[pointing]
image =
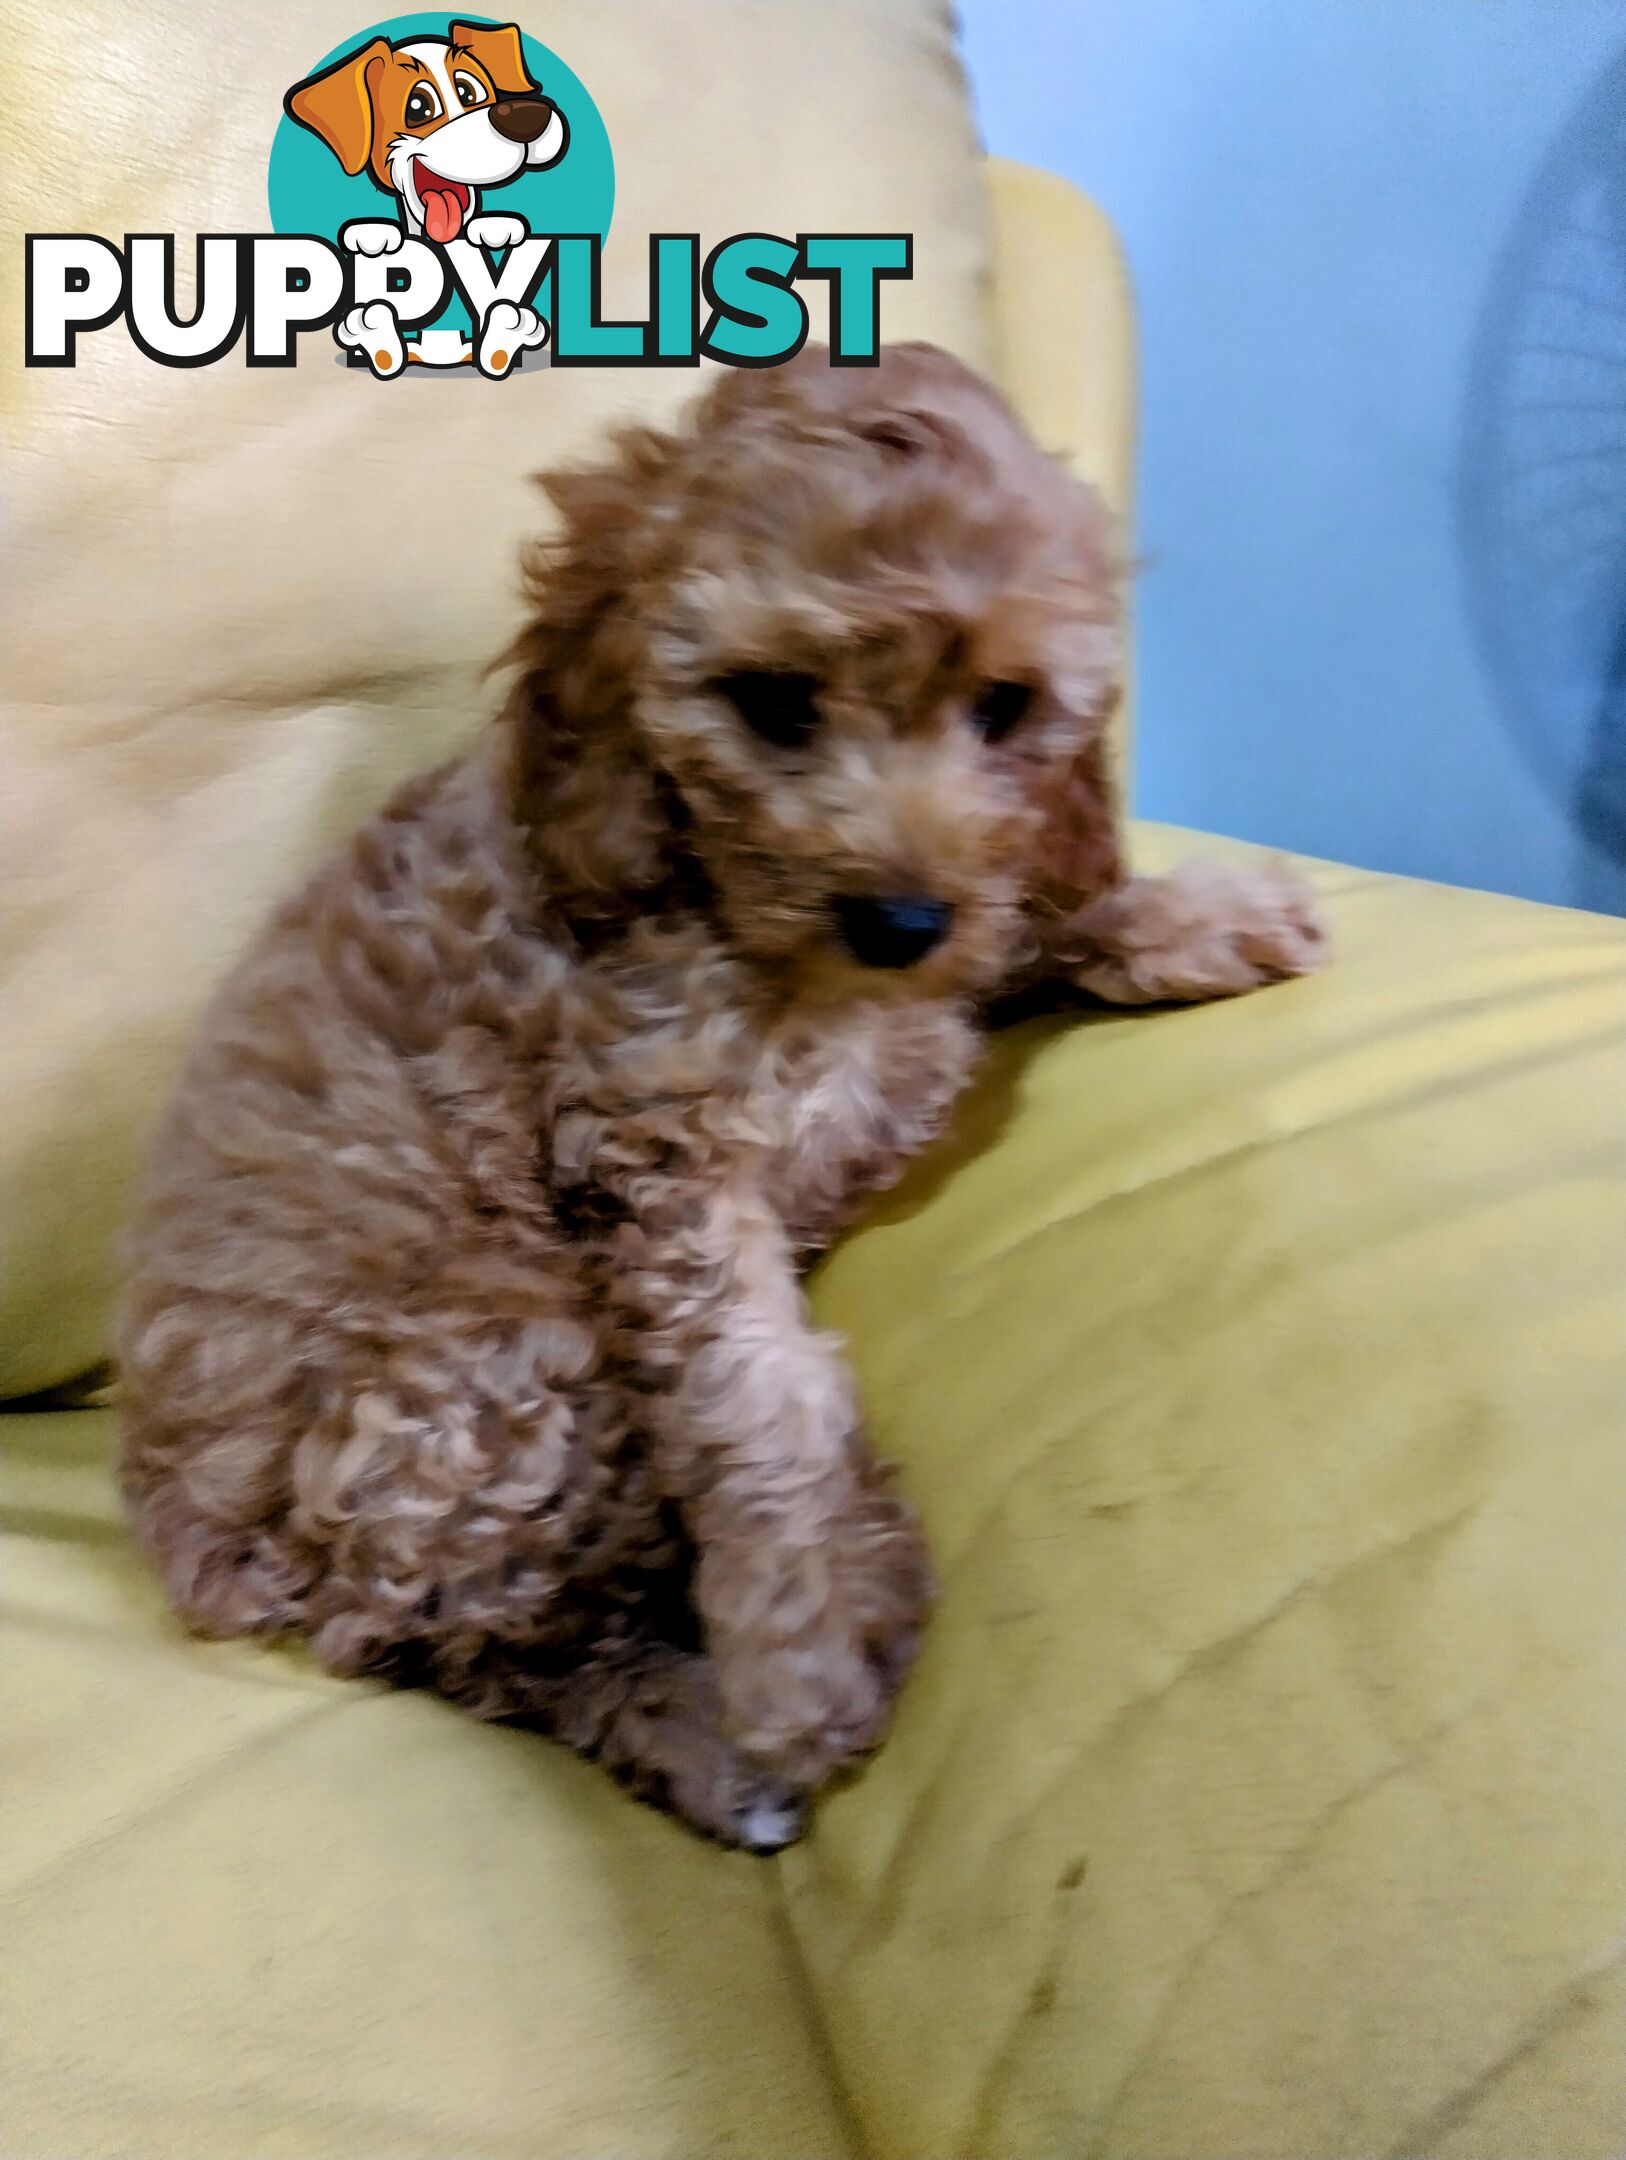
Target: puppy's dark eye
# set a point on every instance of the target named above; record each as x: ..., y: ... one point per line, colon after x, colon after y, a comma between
x: 998, y: 707
x: 421, y: 106
x: 896, y: 433
x: 780, y: 707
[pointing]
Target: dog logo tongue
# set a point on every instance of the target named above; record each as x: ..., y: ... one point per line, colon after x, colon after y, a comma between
x: 442, y: 214
x: 444, y: 202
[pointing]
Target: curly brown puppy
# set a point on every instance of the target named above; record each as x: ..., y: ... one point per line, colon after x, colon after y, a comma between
x: 463, y: 1334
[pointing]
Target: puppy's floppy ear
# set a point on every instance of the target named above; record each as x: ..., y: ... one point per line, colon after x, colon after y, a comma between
x: 499, y: 50
x: 337, y: 104
x: 1080, y: 852
x: 583, y: 782
x: 578, y: 577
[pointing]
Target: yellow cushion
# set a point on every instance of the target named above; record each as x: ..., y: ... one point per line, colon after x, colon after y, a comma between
x: 1259, y: 1371
x: 242, y: 602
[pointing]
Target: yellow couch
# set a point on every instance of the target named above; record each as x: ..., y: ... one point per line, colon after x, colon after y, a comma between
x: 1259, y: 1794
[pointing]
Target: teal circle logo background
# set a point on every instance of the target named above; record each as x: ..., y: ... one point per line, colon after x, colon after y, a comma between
x: 310, y: 191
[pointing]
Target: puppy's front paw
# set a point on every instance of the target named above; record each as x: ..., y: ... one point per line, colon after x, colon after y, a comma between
x: 809, y: 1688
x: 723, y: 1795
x: 769, y: 1816
x: 370, y: 236
x: 806, y: 1709
x: 374, y: 332
x: 1207, y: 930
x: 496, y: 229
x: 507, y: 331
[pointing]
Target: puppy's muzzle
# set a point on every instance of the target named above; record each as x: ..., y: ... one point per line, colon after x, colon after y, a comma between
x: 520, y: 119
x: 891, y: 933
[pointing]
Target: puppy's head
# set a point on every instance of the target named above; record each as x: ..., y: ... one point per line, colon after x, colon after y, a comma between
x: 433, y: 118
x: 845, y: 651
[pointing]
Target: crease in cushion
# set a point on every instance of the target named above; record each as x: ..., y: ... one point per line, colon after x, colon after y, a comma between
x: 1258, y: 1369
x: 217, y: 653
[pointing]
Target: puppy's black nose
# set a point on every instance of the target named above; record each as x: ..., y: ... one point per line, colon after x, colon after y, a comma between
x: 521, y: 119
x: 892, y: 933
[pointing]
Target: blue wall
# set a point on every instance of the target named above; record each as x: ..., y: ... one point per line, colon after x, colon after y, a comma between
x: 1380, y: 252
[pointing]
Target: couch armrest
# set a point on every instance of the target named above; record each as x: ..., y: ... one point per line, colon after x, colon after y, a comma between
x: 1064, y: 328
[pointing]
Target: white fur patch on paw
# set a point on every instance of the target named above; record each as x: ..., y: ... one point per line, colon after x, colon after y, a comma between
x: 507, y: 331
x: 370, y: 236
x: 771, y: 1820
x: 374, y: 332
x: 496, y: 229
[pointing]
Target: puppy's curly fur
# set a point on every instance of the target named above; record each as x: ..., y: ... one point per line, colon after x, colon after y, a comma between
x: 463, y: 1333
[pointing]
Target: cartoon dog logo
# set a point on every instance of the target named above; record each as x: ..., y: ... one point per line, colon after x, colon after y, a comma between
x: 435, y: 121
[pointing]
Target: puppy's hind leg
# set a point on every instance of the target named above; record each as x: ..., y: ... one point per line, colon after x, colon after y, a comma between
x: 1206, y: 930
